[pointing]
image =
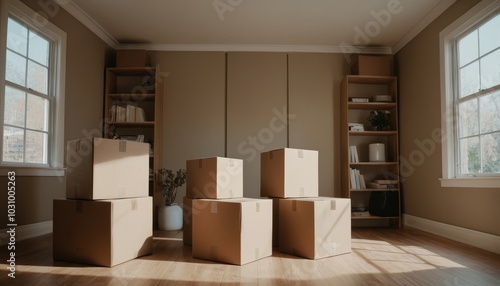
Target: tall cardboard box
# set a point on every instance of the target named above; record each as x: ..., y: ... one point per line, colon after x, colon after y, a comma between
x: 289, y: 173
x: 235, y: 231
x: 105, y: 232
x: 214, y: 178
x: 99, y: 168
x: 315, y: 227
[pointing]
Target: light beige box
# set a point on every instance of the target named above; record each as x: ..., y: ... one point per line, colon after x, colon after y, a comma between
x: 187, y: 228
x: 99, y: 168
x: 289, y: 173
x: 315, y: 227
x: 132, y: 58
x: 214, y: 178
x: 235, y: 231
x: 105, y: 232
x: 375, y: 65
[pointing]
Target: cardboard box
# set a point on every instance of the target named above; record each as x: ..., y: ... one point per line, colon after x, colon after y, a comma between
x: 104, y: 233
x: 276, y: 221
x: 99, y: 169
x: 214, y: 178
x: 377, y: 65
x: 132, y: 58
x: 235, y: 231
x: 315, y: 227
x: 289, y: 173
x: 187, y: 228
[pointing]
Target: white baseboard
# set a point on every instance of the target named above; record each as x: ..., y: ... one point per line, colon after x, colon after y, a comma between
x: 27, y: 231
x: 470, y: 237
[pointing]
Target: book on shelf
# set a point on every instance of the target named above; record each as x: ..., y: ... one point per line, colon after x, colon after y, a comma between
x: 354, y: 154
x: 128, y: 113
x: 360, y: 213
x: 359, y: 99
x: 356, y: 127
x: 357, y: 180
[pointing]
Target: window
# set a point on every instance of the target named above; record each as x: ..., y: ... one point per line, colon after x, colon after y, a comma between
x: 32, y: 107
x: 470, y: 69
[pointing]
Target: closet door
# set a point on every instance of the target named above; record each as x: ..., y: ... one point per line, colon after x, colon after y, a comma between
x: 256, y: 110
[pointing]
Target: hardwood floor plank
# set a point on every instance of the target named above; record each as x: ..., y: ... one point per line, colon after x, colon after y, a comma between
x: 383, y: 256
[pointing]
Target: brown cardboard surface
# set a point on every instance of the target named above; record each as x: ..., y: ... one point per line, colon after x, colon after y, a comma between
x: 377, y: 65
x: 214, y: 178
x: 235, y: 231
x: 105, y: 232
x: 132, y: 58
x: 315, y: 227
x: 187, y: 229
x: 99, y: 169
x: 288, y: 173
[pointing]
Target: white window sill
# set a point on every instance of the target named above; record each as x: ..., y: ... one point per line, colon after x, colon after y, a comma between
x: 33, y: 171
x: 471, y: 182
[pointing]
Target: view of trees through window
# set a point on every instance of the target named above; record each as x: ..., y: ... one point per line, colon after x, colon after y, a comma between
x: 27, y: 100
x: 478, y: 100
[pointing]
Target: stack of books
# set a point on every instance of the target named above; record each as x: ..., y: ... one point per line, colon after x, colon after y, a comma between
x: 357, y: 180
x: 128, y: 113
x: 356, y: 127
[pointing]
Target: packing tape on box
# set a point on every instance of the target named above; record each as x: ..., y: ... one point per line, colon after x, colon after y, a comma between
x: 271, y: 155
x: 257, y: 253
x: 200, y: 163
x: 301, y: 153
x: 213, y: 207
x: 257, y: 207
x: 122, y: 146
x: 230, y: 163
x: 333, y: 205
x: 134, y: 205
x: 294, y: 206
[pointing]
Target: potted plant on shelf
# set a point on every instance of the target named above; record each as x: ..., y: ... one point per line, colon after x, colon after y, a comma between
x: 379, y: 119
x: 170, y: 214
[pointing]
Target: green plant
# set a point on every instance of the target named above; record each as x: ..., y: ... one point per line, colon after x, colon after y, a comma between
x: 169, y: 181
x: 379, y: 118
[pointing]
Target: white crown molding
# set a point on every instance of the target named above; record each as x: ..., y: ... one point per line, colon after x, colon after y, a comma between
x: 422, y: 24
x: 89, y: 22
x: 474, y: 238
x: 261, y: 48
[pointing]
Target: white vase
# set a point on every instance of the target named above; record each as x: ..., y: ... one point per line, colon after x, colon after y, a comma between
x: 170, y: 217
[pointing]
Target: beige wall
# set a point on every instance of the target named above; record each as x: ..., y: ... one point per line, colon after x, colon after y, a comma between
x: 211, y: 112
x: 420, y: 116
x: 87, y: 57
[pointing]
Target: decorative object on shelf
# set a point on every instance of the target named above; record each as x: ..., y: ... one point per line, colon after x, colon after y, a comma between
x: 376, y: 152
x: 170, y: 215
x: 379, y: 119
x: 382, y: 98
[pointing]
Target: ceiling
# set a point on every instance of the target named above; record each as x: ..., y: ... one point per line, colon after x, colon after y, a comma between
x: 373, y: 26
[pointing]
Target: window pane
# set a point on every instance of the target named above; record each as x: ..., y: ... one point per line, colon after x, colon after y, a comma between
x: 13, y: 146
x: 468, y: 49
x: 15, y: 69
x: 470, y: 158
x: 37, y: 77
x: 490, y: 70
x: 468, y: 118
x: 490, y: 112
x: 37, y: 113
x: 489, y: 38
x: 38, y: 49
x: 490, y: 149
x: 15, y: 107
x: 469, y: 79
x: 17, y: 37
x: 36, y: 143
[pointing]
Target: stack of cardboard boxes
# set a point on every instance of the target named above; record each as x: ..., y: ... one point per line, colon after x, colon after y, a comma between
x: 107, y: 216
x: 226, y: 227
x: 304, y: 224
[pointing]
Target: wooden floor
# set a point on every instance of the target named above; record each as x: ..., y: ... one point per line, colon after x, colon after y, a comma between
x: 379, y: 257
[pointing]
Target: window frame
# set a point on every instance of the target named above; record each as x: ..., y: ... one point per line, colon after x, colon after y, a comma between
x: 27, y: 16
x: 449, y: 73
